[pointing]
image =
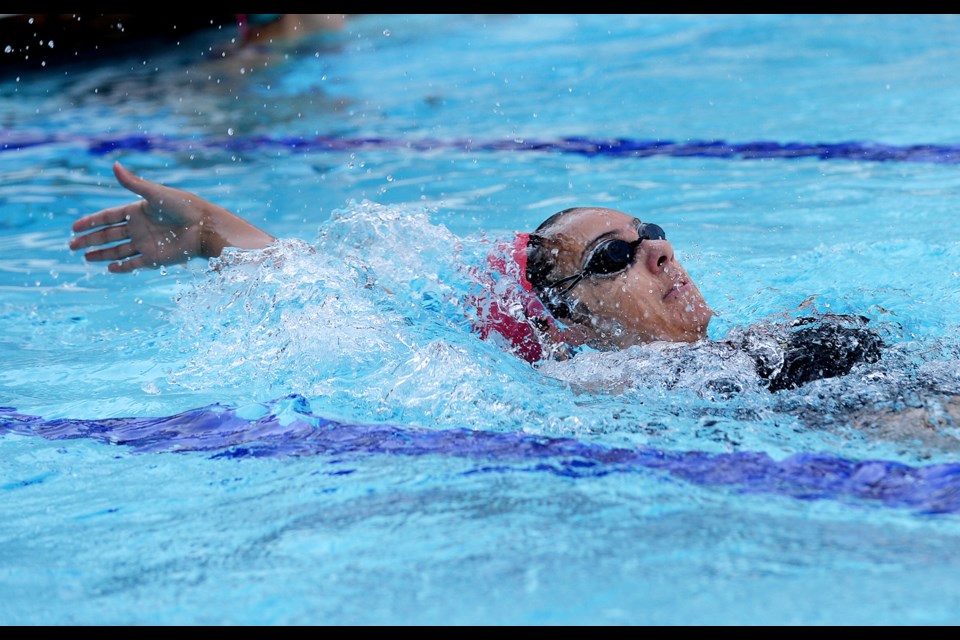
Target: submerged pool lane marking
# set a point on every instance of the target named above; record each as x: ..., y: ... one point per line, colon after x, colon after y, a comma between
x: 590, y: 147
x: 287, y: 427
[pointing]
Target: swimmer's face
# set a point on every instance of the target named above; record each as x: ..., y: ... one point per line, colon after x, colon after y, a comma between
x: 650, y: 298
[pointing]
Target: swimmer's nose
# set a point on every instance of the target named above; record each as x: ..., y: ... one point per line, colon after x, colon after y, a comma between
x: 657, y: 255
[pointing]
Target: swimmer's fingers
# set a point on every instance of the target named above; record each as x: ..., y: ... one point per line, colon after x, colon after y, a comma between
x: 113, y: 215
x: 124, y: 258
x: 103, y: 236
x: 129, y: 265
x: 116, y: 252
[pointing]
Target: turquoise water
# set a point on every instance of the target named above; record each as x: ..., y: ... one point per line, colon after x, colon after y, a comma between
x: 140, y: 525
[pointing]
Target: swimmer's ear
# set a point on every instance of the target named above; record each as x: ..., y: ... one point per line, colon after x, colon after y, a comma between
x: 568, y: 310
x: 538, y: 262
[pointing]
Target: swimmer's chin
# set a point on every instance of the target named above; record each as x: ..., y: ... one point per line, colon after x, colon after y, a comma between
x: 610, y: 335
x: 692, y: 329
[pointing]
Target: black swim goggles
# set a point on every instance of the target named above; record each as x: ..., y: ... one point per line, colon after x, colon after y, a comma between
x: 608, y: 258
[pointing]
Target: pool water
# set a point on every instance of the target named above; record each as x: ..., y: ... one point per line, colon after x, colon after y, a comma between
x: 315, y: 434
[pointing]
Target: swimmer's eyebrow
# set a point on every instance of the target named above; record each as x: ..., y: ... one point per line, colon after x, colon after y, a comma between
x: 593, y: 243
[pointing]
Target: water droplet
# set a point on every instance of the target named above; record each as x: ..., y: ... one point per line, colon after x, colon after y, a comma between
x: 230, y: 131
x: 8, y: 49
x: 163, y: 271
x: 386, y: 32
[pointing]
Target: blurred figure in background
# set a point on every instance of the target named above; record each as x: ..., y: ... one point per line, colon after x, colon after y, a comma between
x: 278, y: 28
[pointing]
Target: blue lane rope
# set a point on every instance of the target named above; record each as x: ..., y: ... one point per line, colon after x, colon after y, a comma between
x: 287, y: 427
x: 589, y: 147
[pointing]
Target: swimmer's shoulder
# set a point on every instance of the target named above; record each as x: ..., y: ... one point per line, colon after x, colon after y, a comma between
x: 789, y: 355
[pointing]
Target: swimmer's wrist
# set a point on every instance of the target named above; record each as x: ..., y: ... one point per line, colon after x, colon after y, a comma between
x: 208, y: 248
x: 221, y: 229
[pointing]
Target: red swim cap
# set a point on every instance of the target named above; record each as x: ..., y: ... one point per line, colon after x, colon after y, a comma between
x: 508, y: 310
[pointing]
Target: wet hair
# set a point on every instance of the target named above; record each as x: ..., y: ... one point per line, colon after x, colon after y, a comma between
x: 542, y: 251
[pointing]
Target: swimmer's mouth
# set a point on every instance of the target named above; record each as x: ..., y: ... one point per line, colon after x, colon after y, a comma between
x: 678, y: 287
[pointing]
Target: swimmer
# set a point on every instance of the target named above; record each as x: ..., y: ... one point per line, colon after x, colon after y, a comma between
x: 614, y: 282
x: 266, y: 39
x: 586, y: 277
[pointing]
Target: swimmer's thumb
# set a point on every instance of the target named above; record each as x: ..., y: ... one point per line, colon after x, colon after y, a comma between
x: 133, y: 182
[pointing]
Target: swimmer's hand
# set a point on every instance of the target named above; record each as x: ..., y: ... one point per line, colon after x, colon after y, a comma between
x: 168, y: 226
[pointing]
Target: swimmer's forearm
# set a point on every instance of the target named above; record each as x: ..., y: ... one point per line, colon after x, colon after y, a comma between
x: 222, y: 229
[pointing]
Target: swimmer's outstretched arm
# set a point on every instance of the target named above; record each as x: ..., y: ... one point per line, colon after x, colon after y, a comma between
x: 168, y: 226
